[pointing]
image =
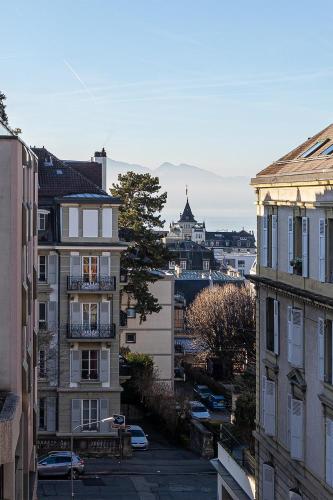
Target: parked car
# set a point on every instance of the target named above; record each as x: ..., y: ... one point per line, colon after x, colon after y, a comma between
x: 216, y: 402
x: 58, y: 463
x: 202, y: 391
x: 198, y: 410
x: 138, y: 437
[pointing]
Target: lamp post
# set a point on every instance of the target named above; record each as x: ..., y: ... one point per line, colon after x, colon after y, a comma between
x: 108, y: 419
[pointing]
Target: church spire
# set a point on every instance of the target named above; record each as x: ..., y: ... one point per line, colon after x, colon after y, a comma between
x: 187, y: 215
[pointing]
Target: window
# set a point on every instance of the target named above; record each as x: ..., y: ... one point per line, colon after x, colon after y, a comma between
x: 329, y: 451
x: 41, y: 221
x: 183, y: 264
x: 41, y: 364
x: 42, y: 322
x: 89, y: 415
x: 322, y: 250
x: 73, y: 222
x: 90, y: 316
x: 313, y: 148
x: 179, y: 319
x: 172, y: 264
x: 205, y: 265
x: 268, y: 406
x: 327, y: 151
x: 107, y: 223
x: 42, y: 268
x: 268, y: 489
x: 89, y: 365
x: 328, y: 352
x: 130, y: 338
x: 89, y: 269
x: 241, y: 264
x: 295, y: 337
x: 42, y: 414
x: 90, y: 223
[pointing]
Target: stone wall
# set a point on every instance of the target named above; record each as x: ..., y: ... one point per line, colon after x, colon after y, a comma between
x: 201, y: 440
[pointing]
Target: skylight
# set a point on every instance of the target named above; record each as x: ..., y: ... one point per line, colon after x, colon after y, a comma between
x: 313, y: 148
x: 328, y: 151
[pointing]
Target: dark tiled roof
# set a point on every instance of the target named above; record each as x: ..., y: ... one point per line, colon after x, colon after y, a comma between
x: 187, y: 215
x: 90, y: 169
x: 55, y: 178
x: 293, y: 163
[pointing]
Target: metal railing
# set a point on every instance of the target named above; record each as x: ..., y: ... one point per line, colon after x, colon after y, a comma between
x: 239, y: 451
x: 99, y: 283
x: 98, y: 331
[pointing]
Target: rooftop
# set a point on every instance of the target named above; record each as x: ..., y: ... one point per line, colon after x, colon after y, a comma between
x: 313, y: 156
x: 214, y: 276
x: 187, y: 215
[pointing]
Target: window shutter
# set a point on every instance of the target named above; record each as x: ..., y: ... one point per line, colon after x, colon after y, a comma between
x: 105, y: 313
x: 290, y: 334
x: 52, y: 315
x: 305, y: 247
x: 76, y: 415
x: 75, y: 313
x: 76, y: 266
x: 290, y: 243
x: 274, y: 241
x: 297, y: 337
x: 267, y: 482
x: 73, y: 222
x: 322, y: 243
x: 107, y: 223
x: 296, y: 446
x: 104, y: 413
x: 270, y: 408
x: 51, y: 414
x: 321, y: 352
x: 276, y: 326
x: 289, y: 421
x: 105, y: 365
x: 264, y: 240
x: 263, y: 389
x: 75, y: 365
x: 329, y: 451
x: 104, y: 265
x: 52, y: 269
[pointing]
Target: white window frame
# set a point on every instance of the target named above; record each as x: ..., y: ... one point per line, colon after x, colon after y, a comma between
x: 269, y: 406
x: 90, y: 227
x: 205, y: 265
x: 39, y: 268
x: 130, y: 341
x: 42, y: 221
x: 85, y: 428
x: 90, y: 369
x: 183, y: 264
x: 293, y: 357
x: 90, y: 257
x: 89, y: 313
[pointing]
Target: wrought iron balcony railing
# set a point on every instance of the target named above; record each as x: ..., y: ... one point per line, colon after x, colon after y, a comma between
x: 97, y: 331
x: 99, y: 283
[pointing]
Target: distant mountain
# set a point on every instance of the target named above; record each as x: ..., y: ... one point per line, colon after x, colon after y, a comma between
x: 223, y: 202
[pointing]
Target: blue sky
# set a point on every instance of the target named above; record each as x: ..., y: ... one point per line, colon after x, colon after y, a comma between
x: 228, y: 86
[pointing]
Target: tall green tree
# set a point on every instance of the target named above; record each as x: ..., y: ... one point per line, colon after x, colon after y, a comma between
x: 3, y: 114
x: 140, y: 219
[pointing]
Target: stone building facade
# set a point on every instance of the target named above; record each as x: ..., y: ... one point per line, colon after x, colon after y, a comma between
x: 294, y: 433
x: 18, y: 263
x: 78, y: 296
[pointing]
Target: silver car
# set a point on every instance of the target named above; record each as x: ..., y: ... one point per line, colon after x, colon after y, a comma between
x: 58, y: 463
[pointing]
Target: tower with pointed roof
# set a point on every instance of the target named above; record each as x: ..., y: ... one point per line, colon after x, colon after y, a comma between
x: 187, y: 228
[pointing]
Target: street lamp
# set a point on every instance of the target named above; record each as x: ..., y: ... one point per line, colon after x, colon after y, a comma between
x: 108, y: 419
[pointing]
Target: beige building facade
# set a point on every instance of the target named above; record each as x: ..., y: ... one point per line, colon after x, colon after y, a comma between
x: 18, y: 243
x: 155, y: 336
x: 78, y: 298
x: 294, y: 432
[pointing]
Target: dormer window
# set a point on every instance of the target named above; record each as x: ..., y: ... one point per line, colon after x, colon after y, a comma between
x: 48, y: 162
x: 313, y: 148
x: 42, y: 220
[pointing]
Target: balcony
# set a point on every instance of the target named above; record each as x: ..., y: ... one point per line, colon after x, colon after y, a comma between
x: 89, y: 332
x: 99, y: 284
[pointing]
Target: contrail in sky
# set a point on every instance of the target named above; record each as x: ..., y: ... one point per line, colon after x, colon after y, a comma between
x: 72, y: 70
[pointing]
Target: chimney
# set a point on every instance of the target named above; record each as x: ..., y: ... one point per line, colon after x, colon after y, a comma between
x: 100, y: 157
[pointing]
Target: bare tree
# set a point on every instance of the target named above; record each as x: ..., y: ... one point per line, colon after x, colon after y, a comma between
x: 222, y: 320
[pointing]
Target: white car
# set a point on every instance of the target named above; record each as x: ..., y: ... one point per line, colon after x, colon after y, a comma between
x: 138, y: 437
x: 198, y: 411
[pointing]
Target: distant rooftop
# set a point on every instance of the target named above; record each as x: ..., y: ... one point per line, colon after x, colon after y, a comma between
x: 215, y: 276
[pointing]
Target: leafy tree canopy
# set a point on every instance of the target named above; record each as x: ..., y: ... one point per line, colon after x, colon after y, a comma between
x: 3, y: 114
x: 140, y: 218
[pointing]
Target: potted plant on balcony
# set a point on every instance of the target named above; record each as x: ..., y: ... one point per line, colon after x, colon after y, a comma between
x: 296, y: 263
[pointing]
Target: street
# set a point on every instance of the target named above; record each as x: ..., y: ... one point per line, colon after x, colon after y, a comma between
x: 164, y: 472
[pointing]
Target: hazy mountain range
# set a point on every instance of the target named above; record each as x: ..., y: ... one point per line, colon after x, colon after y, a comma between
x: 222, y: 202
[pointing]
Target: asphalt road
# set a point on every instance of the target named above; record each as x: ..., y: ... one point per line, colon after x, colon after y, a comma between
x: 164, y: 472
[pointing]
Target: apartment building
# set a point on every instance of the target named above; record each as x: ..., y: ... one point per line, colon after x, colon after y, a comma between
x: 18, y: 244
x: 78, y: 300
x: 155, y: 336
x: 294, y: 282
